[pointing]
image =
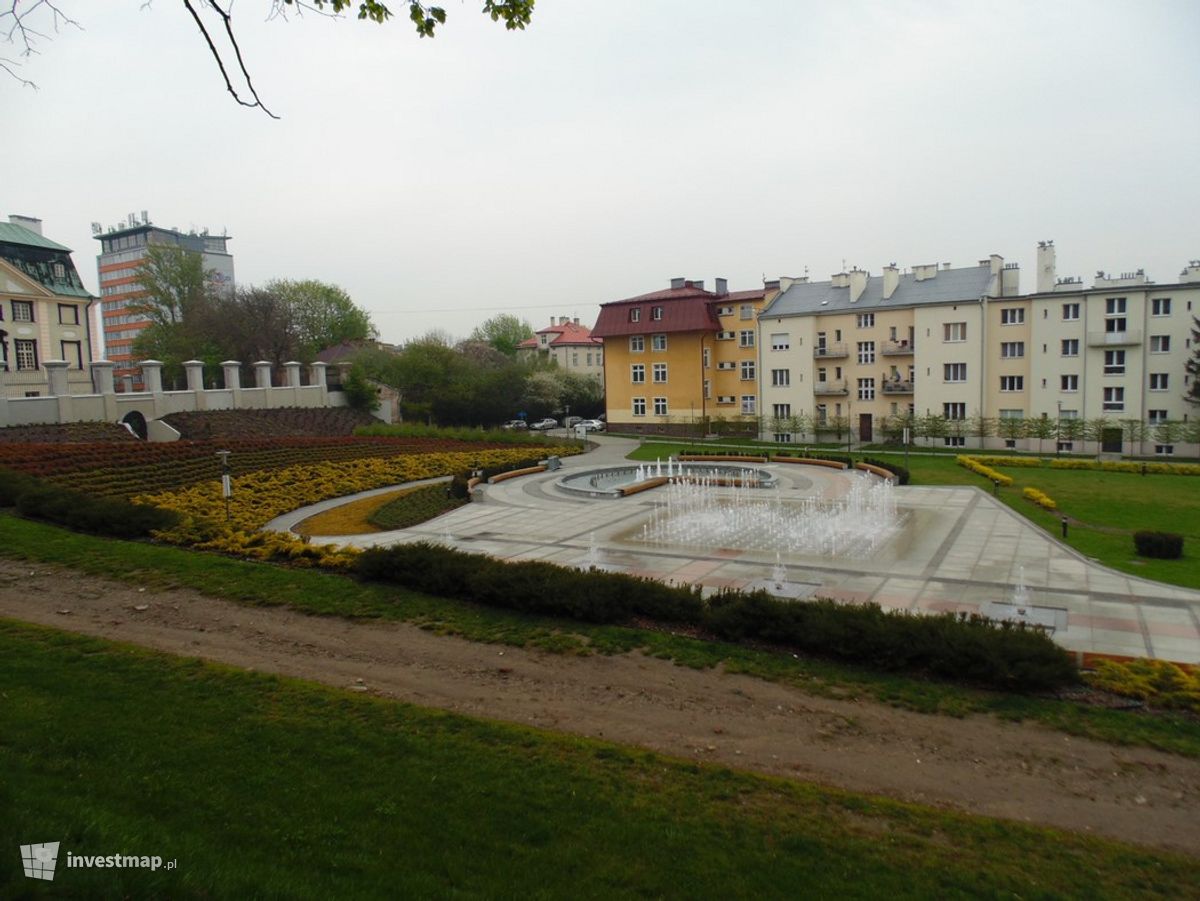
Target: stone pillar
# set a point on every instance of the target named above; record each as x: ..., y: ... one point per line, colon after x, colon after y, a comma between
x: 102, y: 377
x: 195, y: 375
x: 262, y: 374
x: 317, y: 374
x: 233, y: 374
x: 56, y: 377
x: 152, y: 375
x: 292, y: 369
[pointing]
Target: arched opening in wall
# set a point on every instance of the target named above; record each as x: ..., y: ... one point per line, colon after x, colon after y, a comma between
x: 136, y: 422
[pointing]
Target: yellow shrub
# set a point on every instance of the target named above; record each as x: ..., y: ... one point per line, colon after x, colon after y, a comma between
x: 1157, y: 682
x: 1028, y: 462
x: 1039, y: 498
x: 987, y: 472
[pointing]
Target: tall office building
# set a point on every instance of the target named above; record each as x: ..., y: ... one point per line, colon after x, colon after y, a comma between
x: 123, y: 247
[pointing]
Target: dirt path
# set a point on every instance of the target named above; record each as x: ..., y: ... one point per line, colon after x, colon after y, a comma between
x: 1017, y: 771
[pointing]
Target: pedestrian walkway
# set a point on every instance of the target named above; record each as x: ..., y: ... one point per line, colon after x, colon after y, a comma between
x: 962, y: 551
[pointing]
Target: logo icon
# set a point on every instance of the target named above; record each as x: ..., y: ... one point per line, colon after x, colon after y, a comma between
x: 39, y: 860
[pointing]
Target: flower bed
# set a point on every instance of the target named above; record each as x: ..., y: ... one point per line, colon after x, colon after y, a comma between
x: 1040, y: 498
x: 987, y: 472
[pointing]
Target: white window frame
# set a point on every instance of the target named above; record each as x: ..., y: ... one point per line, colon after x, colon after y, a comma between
x: 951, y: 370
x: 658, y: 342
x: 637, y: 373
x: 637, y: 344
x: 1012, y: 315
x: 660, y: 373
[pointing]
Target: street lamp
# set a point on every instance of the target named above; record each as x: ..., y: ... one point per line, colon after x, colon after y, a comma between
x: 1058, y: 432
x: 226, y: 482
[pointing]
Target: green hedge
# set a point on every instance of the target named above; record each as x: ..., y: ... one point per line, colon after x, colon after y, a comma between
x: 970, y: 649
x: 416, y: 506
x: 114, y: 517
x: 900, y: 472
x: 1160, y: 545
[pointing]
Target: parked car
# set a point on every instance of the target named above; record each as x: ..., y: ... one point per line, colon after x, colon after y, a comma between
x: 515, y: 425
x: 572, y: 421
x: 543, y: 424
x: 590, y: 425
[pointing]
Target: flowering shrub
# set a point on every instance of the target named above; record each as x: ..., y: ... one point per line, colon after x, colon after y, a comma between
x: 987, y: 472
x: 1027, y: 462
x: 1041, y: 499
x: 1177, y: 469
x: 1158, y: 682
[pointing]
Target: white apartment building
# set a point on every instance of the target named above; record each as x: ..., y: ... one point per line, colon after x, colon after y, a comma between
x: 963, y: 344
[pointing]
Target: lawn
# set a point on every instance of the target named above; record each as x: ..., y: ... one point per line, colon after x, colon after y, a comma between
x: 265, y: 787
x: 324, y: 593
x: 1105, y: 508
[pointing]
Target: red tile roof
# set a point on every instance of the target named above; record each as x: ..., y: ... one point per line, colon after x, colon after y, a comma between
x: 688, y: 309
x: 566, y: 334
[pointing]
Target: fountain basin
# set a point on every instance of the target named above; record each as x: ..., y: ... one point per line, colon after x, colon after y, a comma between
x: 611, y: 481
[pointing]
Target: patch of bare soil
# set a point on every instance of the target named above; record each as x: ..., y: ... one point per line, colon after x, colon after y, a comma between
x: 1017, y: 771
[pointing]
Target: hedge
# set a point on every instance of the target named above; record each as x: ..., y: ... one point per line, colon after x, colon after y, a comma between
x: 1160, y: 545
x: 1000, y: 655
x: 113, y: 517
x: 901, y: 473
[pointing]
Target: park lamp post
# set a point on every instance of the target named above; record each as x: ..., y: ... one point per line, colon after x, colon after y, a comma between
x: 1058, y: 432
x: 226, y: 482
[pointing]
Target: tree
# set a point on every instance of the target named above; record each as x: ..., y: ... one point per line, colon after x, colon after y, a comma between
x: 1135, y: 432
x: 1041, y: 428
x: 29, y: 25
x: 1192, y: 366
x: 360, y: 393
x: 1094, y: 430
x: 1070, y: 429
x: 322, y: 315
x: 503, y: 332
x: 982, y: 427
x: 1010, y: 428
x: 1168, y: 432
x: 175, y: 282
x: 931, y: 426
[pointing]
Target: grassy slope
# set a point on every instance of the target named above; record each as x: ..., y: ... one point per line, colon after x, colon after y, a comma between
x: 1106, y: 507
x: 329, y: 594
x: 265, y: 787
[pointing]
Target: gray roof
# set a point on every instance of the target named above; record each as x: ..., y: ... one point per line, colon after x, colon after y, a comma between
x: 948, y: 286
x: 11, y: 233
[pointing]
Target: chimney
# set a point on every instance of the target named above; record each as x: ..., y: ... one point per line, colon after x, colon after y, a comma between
x: 677, y: 283
x: 840, y: 280
x: 30, y: 222
x: 1046, y: 269
x: 722, y: 286
x: 924, y: 271
x: 945, y: 266
x: 1191, y: 272
x: 576, y: 320
x: 858, y: 283
x: 891, y: 280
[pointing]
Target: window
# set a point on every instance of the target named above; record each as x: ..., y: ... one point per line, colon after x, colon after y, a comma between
x: 639, y: 406
x: 1070, y: 312
x: 1012, y: 383
x: 1070, y: 347
x: 1012, y: 315
x: 1164, y: 450
x: 706, y: 357
x: 955, y: 372
x: 1012, y: 414
x: 707, y: 389
x: 822, y: 413
x: 1069, y: 383
x: 22, y: 311
x: 660, y: 373
x: 1114, y: 306
x: 726, y: 336
x: 725, y: 311
x: 747, y: 370
x: 637, y: 343
x: 954, y: 411
x: 781, y: 378
x: 656, y: 314
x: 727, y: 364
x: 1114, y: 362
x: 953, y: 332
x: 866, y: 351
x: 658, y: 342
x: 822, y: 374
x: 575, y: 359
x: 1114, y: 326
x: 1010, y: 350
x: 26, y: 352
x: 68, y: 314
x: 1114, y: 399
x: 1157, y: 417
x: 781, y: 411
x: 726, y: 399
x: 1160, y: 344
x: 866, y: 389
x: 589, y: 358
x: 954, y: 441
x: 660, y: 406
x: 783, y: 438
x: 1158, y: 381
x: 780, y: 341
x: 1160, y: 306
x: 637, y: 373
x: 635, y: 314
x: 747, y: 311
x: 746, y: 338
x: 749, y: 404
x: 866, y: 320
x: 72, y: 352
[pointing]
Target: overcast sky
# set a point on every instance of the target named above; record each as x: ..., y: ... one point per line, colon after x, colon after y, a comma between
x: 614, y: 145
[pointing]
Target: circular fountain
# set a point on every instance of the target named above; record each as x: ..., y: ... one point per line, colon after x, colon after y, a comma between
x: 612, y: 481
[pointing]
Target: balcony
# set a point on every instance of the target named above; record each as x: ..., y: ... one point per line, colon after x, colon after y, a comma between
x: 837, y: 386
x: 898, y: 387
x: 897, y: 349
x: 1114, y: 339
x: 830, y: 351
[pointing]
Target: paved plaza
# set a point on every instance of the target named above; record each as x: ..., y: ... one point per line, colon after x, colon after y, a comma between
x: 960, y: 550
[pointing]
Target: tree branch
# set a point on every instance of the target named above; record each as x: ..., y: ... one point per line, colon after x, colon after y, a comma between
x: 216, y: 55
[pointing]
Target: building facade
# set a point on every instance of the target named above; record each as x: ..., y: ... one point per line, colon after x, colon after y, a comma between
x: 123, y: 247
x: 568, y: 344
x: 44, y: 313
x: 683, y: 360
